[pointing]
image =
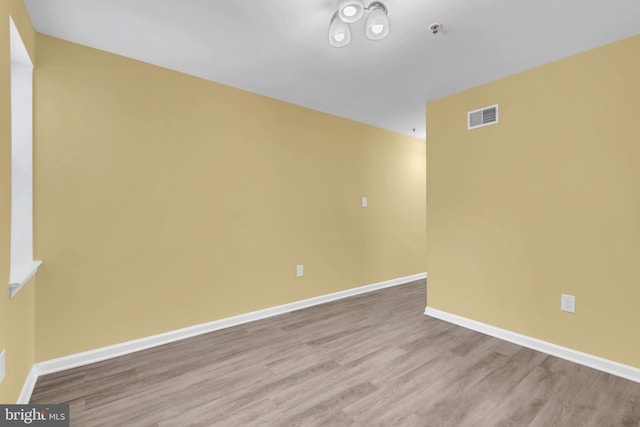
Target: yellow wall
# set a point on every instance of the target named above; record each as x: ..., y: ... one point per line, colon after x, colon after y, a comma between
x: 16, y: 315
x: 164, y: 201
x: 543, y: 203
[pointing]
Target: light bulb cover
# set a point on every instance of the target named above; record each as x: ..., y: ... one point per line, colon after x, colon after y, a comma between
x: 350, y: 11
x: 339, y: 32
x: 377, y: 26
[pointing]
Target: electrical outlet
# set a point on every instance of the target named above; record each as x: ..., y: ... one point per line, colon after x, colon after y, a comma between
x: 3, y: 365
x: 568, y: 303
x: 364, y: 202
x: 299, y: 270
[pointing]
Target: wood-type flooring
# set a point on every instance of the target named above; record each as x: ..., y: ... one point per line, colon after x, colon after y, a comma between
x: 369, y: 360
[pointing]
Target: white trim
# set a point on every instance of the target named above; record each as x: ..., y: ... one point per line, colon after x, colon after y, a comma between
x: 24, y: 275
x: 19, y: 54
x: 22, y: 265
x: 99, y: 354
x: 29, y: 385
x: 595, y: 362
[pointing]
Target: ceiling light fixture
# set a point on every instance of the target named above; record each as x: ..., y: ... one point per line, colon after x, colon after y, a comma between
x: 378, y: 22
x: 339, y: 32
x: 350, y: 11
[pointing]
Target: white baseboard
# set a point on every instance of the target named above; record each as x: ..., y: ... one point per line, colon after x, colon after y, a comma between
x: 103, y: 353
x: 595, y: 362
x: 27, y: 388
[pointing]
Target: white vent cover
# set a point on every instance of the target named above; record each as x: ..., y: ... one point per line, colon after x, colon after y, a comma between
x: 482, y: 117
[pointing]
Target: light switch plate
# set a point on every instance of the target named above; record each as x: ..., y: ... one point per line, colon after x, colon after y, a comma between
x: 364, y: 202
x: 299, y: 270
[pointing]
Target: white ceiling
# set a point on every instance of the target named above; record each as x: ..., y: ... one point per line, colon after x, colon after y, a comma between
x: 279, y: 48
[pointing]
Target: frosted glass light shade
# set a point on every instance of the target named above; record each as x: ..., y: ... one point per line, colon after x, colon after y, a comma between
x: 377, y: 24
x: 339, y: 32
x: 350, y: 11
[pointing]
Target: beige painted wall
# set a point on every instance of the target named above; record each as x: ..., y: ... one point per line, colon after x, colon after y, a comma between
x: 546, y: 202
x: 17, y: 314
x: 164, y: 201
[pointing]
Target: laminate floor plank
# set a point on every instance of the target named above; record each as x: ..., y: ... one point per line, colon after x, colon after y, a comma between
x: 370, y: 360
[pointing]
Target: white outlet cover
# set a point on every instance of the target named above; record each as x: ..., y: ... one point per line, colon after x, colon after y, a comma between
x: 364, y: 202
x: 568, y: 303
x: 299, y: 270
x: 3, y: 365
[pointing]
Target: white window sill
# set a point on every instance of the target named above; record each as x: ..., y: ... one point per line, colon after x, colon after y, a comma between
x: 20, y: 276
